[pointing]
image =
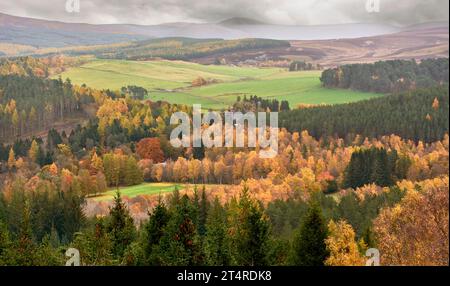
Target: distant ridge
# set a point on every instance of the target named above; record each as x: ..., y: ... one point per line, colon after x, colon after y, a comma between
x: 43, y: 33
x: 240, y: 21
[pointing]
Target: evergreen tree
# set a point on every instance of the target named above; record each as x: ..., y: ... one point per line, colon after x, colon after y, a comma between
x: 203, y: 213
x: 120, y: 227
x: 249, y: 232
x: 25, y: 251
x: 180, y: 242
x: 5, y: 244
x: 154, y: 231
x: 215, y: 245
x: 308, y: 247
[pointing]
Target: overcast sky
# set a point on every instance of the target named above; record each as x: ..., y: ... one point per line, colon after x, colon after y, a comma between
x: 301, y: 12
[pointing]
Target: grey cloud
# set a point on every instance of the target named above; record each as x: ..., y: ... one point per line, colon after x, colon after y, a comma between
x: 304, y: 12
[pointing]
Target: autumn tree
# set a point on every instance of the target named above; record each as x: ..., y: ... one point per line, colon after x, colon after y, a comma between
x: 415, y: 231
x: 150, y: 148
x: 133, y: 175
x: 33, y: 152
x: 342, y: 246
x: 11, y: 159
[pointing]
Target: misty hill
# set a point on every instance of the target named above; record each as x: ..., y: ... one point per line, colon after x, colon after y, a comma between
x: 43, y: 33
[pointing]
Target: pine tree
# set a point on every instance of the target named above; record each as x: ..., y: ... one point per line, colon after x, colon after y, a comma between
x: 215, y: 244
x: 381, y: 175
x: 25, y: 252
x: 5, y: 244
x: 180, y: 245
x: 120, y: 227
x: 203, y: 212
x: 154, y: 231
x: 250, y: 229
x: 308, y: 247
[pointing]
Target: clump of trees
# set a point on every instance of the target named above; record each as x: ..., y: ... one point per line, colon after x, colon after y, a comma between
x: 302, y: 66
x: 421, y: 115
x: 136, y: 92
x: 375, y: 165
x: 388, y: 76
x: 260, y: 104
x: 30, y: 104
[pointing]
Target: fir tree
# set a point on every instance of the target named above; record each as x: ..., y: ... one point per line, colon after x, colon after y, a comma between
x: 215, y: 245
x: 120, y: 227
x: 308, y: 247
x: 250, y: 231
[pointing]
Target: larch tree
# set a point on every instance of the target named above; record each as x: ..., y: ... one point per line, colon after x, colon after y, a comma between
x: 11, y: 159
x: 342, y: 246
x: 34, y: 150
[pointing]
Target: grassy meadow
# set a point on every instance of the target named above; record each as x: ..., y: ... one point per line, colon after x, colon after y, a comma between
x: 171, y: 81
x: 142, y: 189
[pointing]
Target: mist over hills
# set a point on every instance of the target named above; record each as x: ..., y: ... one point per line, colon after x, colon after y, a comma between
x: 43, y: 33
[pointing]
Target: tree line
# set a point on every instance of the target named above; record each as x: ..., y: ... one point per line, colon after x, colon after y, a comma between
x: 417, y: 115
x: 388, y: 76
x: 256, y: 103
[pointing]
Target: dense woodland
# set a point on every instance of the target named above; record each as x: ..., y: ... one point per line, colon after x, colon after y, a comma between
x: 255, y: 103
x: 388, y: 76
x: 417, y: 115
x: 346, y: 178
x: 185, y: 48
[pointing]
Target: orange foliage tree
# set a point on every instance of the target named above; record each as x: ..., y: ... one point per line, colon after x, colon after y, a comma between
x: 150, y: 148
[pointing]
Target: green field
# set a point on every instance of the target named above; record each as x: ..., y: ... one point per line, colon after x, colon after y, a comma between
x: 171, y: 81
x: 142, y: 189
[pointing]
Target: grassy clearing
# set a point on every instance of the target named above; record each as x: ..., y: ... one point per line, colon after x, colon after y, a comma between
x: 142, y: 189
x: 171, y: 81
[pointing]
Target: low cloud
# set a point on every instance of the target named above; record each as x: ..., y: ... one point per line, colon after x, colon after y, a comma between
x: 304, y: 12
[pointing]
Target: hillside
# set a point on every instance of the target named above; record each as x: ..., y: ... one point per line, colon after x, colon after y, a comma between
x: 172, y: 81
x: 44, y: 33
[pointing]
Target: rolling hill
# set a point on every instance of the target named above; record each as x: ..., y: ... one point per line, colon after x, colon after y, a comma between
x: 172, y: 81
x: 43, y: 33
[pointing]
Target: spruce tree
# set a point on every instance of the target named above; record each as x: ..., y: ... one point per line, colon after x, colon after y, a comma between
x: 215, y: 244
x: 153, y: 232
x: 308, y: 247
x: 180, y: 245
x: 203, y: 212
x: 5, y: 244
x: 250, y: 231
x: 120, y: 227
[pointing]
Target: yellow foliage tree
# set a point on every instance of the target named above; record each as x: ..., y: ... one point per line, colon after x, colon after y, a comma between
x: 11, y: 159
x: 33, y: 152
x: 342, y: 246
